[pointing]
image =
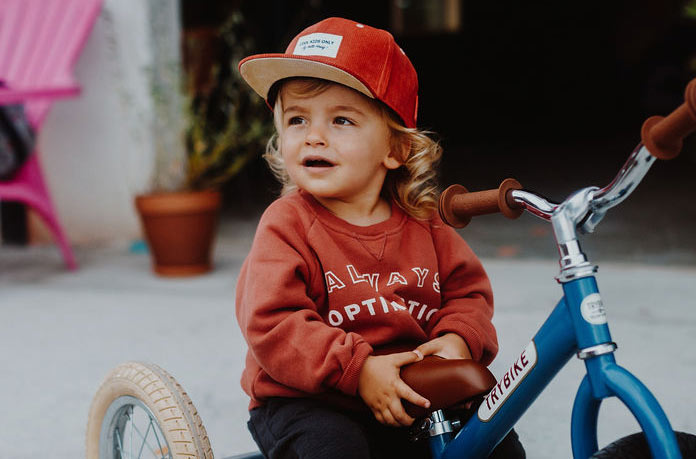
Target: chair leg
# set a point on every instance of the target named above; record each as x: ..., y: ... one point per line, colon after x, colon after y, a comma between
x: 30, y: 188
x: 62, y: 241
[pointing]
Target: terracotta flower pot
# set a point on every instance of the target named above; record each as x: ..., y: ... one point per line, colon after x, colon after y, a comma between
x: 180, y: 229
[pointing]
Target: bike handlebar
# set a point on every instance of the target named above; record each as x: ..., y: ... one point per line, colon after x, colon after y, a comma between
x: 457, y: 206
x: 663, y: 136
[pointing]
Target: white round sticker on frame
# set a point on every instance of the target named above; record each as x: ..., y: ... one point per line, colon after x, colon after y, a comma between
x: 592, y: 309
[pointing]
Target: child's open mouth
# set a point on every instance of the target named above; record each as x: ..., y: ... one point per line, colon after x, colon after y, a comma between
x: 317, y: 162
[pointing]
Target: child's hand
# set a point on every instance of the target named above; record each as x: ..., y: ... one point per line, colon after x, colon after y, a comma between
x: 448, y: 346
x: 382, y: 388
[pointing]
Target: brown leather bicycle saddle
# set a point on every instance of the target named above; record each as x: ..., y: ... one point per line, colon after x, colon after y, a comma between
x: 445, y: 382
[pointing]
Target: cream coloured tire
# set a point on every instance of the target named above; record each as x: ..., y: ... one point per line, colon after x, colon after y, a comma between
x: 141, y: 411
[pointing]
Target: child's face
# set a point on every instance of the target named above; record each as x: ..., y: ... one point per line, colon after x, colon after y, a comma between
x: 335, y: 144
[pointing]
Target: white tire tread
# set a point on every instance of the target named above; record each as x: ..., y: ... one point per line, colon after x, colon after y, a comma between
x: 163, y: 395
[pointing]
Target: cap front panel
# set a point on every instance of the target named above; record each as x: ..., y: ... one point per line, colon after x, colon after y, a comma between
x: 356, y: 48
x: 369, y: 61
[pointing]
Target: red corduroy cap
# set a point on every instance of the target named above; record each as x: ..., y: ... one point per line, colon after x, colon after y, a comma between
x: 356, y: 55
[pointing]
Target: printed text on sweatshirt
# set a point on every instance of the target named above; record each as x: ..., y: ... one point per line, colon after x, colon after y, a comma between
x: 317, y: 295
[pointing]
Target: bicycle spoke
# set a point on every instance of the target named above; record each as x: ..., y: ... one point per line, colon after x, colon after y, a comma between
x: 143, y: 437
x: 159, y: 444
x: 136, y: 443
x: 129, y: 414
x: 147, y: 432
x: 119, y: 442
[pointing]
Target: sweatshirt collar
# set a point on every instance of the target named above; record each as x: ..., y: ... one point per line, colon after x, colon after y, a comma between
x: 393, y: 223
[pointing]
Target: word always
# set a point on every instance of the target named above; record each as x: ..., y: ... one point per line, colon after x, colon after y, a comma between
x: 334, y: 282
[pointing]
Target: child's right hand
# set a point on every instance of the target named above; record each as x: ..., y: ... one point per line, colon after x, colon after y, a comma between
x: 381, y: 387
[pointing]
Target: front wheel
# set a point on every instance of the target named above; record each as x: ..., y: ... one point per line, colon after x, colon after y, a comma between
x: 635, y: 446
x: 141, y: 411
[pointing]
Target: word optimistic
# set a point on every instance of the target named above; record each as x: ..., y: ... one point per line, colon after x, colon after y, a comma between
x: 336, y: 317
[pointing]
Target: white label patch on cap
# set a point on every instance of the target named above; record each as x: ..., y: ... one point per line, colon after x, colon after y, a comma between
x: 318, y: 44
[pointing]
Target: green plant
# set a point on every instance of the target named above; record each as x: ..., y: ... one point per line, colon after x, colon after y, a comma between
x: 228, y: 123
x: 690, y: 9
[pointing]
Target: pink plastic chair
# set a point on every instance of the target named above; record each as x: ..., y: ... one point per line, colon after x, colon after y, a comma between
x: 40, y: 41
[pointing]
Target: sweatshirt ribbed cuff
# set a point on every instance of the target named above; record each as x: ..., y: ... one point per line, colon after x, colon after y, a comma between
x: 348, y: 383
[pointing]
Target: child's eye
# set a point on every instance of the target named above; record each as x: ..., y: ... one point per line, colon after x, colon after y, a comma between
x: 340, y: 120
x: 295, y: 120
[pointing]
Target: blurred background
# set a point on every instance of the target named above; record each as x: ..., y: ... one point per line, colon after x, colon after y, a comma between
x: 551, y: 95
x: 542, y: 92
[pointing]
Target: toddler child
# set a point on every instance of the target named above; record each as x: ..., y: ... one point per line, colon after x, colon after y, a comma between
x: 352, y: 274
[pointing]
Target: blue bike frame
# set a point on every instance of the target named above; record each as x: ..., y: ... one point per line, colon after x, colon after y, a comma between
x: 577, y: 323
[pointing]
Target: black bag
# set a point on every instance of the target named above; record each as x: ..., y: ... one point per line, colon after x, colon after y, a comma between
x: 16, y: 139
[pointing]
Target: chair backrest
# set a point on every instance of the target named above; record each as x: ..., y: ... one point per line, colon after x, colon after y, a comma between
x: 40, y: 41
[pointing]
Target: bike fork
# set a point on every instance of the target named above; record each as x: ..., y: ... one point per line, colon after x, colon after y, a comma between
x: 606, y: 379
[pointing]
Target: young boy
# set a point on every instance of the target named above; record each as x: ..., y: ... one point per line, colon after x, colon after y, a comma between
x: 352, y: 274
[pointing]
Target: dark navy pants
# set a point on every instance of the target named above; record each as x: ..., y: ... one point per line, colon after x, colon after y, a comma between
x: 287, y: 428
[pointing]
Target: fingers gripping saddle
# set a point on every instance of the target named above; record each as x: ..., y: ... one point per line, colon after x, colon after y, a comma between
x: 445, y: 382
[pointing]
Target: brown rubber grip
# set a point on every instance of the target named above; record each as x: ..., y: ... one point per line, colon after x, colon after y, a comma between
x: 457, y: 205
x: 663, y: 136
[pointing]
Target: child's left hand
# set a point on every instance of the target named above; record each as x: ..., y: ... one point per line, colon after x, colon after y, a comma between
x: 448, y: 346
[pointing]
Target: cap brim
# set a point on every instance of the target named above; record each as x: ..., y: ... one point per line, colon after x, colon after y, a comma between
x: 262, y: 70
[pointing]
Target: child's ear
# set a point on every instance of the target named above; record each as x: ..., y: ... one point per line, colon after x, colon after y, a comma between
x: 391, y: 162
x: 398, y: 155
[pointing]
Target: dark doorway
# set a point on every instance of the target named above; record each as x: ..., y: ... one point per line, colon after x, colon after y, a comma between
x: 513, y: 88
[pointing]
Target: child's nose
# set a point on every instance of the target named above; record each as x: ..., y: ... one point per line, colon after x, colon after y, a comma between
x: 315, y: 136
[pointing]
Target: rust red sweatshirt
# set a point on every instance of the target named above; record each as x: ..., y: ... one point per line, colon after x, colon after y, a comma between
x: 317, y: 295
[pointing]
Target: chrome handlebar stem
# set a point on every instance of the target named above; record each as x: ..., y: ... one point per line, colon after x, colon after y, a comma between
x: 628, y: 178
x: 534, y: 204
x: 583, y: 210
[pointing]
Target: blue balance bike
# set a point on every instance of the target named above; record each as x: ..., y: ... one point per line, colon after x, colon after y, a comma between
x: 140, y: 411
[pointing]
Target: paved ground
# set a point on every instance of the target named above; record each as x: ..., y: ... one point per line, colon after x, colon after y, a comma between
x: 62, y: 332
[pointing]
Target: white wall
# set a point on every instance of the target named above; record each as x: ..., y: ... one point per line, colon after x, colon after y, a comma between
x: 98, y: 150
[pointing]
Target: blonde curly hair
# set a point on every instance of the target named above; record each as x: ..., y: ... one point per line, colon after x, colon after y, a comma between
x: 413, y: 186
